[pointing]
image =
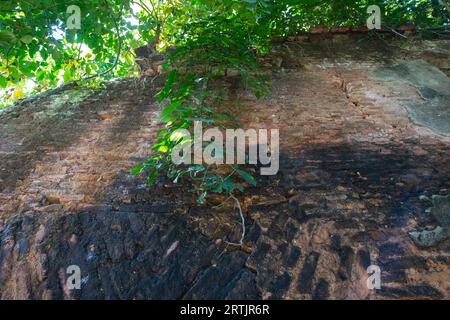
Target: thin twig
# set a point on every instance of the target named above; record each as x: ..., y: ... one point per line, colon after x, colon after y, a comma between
x: 154, y: 78
x: 238, y: 206
x: 224, y: 201
x: 395, y: 32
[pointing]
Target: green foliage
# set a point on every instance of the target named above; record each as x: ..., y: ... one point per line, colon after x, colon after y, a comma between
x: 290, y: 16
x: 35, y: 44
x: 207, y: 49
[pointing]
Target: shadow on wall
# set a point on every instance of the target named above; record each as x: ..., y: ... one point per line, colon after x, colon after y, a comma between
x: 152, y: 247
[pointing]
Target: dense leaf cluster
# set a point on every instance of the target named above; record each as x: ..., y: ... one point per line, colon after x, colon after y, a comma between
x: 37, y: 51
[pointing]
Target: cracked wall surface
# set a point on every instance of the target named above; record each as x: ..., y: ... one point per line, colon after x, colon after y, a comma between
x: 432, y: 85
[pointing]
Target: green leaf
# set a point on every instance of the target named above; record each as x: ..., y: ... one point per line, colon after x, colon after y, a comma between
x: 137, y: 169
x: 67, y: 75
x: 196, y: 168
x: 218, y: 188
x: 26, y: 39
x: 161, y: 132
x: 28, y: 68
x: 40, y: 75
x: 247, y: 177
x: 7, y: 38
x: 3, y: 82
x: 171, y: 107
x: 228, y: 185
x: 151, y: 177
x: 201, y: 198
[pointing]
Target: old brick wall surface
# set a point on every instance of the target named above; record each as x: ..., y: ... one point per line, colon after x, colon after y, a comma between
x: 352, y: 169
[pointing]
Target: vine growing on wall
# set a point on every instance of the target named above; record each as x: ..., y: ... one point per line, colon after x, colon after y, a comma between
x: 207, y: 51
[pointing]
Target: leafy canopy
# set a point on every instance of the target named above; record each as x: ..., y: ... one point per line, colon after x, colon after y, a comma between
x: 37, y: 51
